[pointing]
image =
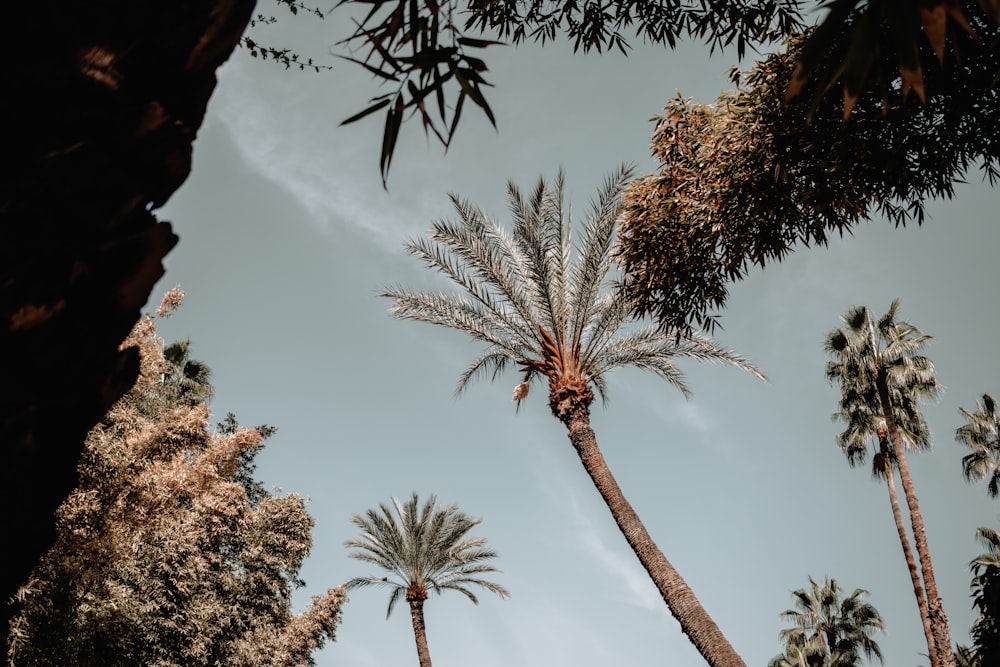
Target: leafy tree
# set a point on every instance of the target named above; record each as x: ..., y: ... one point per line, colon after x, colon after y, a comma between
x: 162, y: 555
x: 829, y: 630
x: 556, y: 318
x: 744, y: 181
x: 880, y: 372
x: 986, y: 598
x: 423, y: 550
x: 981, y: 433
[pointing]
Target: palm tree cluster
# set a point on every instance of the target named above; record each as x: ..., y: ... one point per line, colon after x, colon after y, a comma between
x: 547, y: 309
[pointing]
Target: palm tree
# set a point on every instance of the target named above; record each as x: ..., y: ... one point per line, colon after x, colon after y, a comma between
x: 423, y: 549
x: 555, y: 318
x: 829, y: 630
x: 191, y: 379
x: 982, y: 435
x: 880, y: 371
x: 865, y: 423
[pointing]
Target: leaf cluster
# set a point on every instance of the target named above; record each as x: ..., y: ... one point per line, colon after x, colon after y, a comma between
x: 744, y: 181
x: 877, y: 43
x: 423, y: 49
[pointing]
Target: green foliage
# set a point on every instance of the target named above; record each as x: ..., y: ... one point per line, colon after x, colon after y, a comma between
x: 828, y: 629
x: 744, y: 181
x: 168, y: 552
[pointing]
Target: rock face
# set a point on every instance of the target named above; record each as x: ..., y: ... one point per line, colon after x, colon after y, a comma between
x: 99, y: 107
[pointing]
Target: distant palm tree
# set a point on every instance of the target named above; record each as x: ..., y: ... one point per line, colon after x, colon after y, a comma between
x: 423, y: 549
x: 879, y: 369
x: 190, y: 379
x: 555, y: 318
x: 982, y: 434
x: 829, y: 630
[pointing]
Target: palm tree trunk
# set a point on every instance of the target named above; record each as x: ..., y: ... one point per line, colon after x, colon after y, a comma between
x: 685, y: 607
x: 904, y: 540
x: 419, y: 632
x: 938, y: 619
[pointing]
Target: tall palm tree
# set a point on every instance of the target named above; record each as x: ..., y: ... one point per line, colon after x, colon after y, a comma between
x: 879, y: 369
x: 865, y: 424
x: 829, y: 630
x: 550, y: 313
x: 423, y: 549
x: 982, y: 434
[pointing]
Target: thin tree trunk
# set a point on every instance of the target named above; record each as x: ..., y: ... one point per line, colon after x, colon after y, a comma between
x: 419, y: 632
x: 938, y: 619
x: 685, y: 607
x: 904, y: 540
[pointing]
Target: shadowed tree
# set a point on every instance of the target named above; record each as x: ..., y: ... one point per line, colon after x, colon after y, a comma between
x: 423, y: 549
x: 981, y: 433
x: 829, y: 630
x: 555, y: 318
x: 879, y: 369
x: 986, y: 598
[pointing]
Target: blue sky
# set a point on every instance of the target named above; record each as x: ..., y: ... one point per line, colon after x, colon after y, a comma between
x: 287, y: 236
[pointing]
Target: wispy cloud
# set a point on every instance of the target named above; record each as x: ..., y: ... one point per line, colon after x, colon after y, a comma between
x: 273, y: 121
x: 618, y: 562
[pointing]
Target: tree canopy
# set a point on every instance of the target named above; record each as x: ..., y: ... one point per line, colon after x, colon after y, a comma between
x: 168, y: 552
x: 745, y: 180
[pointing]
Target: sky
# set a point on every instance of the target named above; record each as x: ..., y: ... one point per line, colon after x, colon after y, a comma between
x: 287, y: 237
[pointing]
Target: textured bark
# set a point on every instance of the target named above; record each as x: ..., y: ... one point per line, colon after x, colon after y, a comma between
x: 911, y: 564
x: 938, y: 619
x: 100, y: 107
x: 685, y: 607
x: 420, y: 632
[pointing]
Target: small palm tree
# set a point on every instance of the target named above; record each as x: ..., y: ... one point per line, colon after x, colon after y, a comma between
x: 423, y: 549
x: 557, y: 319
x: 829, y: 630
x: 982, y: 434
x: 880, y: 372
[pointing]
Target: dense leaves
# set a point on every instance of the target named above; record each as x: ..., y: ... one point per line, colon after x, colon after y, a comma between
x: 878, y: 44
x: 163, y: 557
x: 744, y: 181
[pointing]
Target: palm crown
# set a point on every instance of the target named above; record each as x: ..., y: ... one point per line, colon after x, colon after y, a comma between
x: 539, y: 305
x: 981, y: 433
x: 864, y: 348
x: 829, y: 629
x: 422, y: 549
